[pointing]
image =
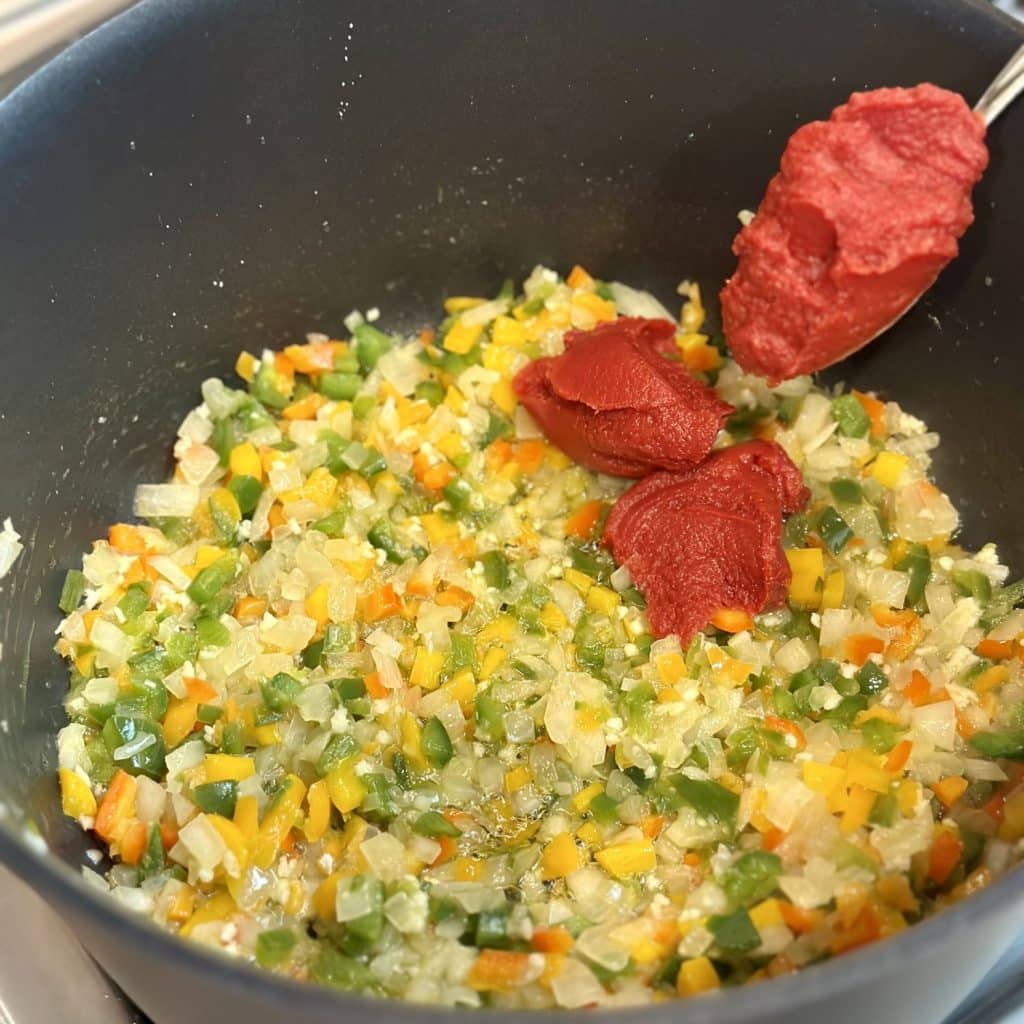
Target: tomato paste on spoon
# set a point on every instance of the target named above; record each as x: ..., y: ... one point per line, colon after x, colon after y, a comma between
x: 864, y: 213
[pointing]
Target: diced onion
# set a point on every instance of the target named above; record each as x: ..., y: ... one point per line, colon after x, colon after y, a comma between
x: 176, y: 501
x: 402, y: 369
x: 202, y: 842
x: 143, y: 741
x: 385, y: 856
x: 219, y: 398
x: 575, y: 986
x: 633, y: 302
x: 938, y: 722
x: 10, y: 547
x: 196, y: 426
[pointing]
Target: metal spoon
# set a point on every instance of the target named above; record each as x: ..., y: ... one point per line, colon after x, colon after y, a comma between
x: 1005, y: 88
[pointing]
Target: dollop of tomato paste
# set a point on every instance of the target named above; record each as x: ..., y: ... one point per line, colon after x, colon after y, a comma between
x: 865, y: 211
x: 709, y: 538
x: 615, y: 401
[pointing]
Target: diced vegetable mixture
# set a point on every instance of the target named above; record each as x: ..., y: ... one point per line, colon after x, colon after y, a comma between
x: 364, y: 700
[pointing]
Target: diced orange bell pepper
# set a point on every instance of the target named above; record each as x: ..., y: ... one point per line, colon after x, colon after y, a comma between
x: 530, y: 456
x: 582, y: 522
x: 127, y: 539
x: 579, y: 278
x: 455, y: 597
x: 787, y: 728
x: 305, y: 408
x: 875, y: 410
x: 859, y: 646
x: 117, y: 807
x: 552, y: 940
x: 315, y: 357
x: 732, y: 620
x: 199, y: 690
x: 996, y: 650
x: 381, y: 603
x: 498, y: 970
x: 374, y: 687
x: 133, y: 843
x: 944, y: 855
x: 898, y: 757
x: 249, y: 609
x: 918, y: 690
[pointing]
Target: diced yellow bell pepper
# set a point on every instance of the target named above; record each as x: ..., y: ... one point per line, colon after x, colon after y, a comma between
x: 516, y: 778
x: 426, y: 668
x: 834, y: 590
x: 247, y: 817
x: 580, y: 580
x: 227, y: 767
x: 602, y: 600
x: 865, y: 769
x: 219, y: 907
x: 452, y: 446
x: 766, y: 914
x: 561, y: 857
x: 501, y: 628
x: 504, y: 397
x: 76, y: 799
x: 590, y: 833
x: 858, y: 809
x: 822, y: 778
x: 671, y: 668
x: 493, y: 659
x: 506, y: 331
x: 266, y: 735
x: 908, y: 794
x: 321, y: 486
x: 411, y: 742
x: 439, y: 531
x: 461, y: 687
x: 582, y: 800
x: 990, y: 679
x: 245, y: 367
x: 455, y: 400
x: 600, y: 310
x: 468, y: 869
x: 244, y: 460
x: 178, y: 720
x: 318, y: 801
x: 460, y: 303
x: 552, y: 617
x: 696, y: 976
x: 626, y: 859
x: 325, y: 897
x: 461, y: 337
x: 206, y: 554
x: 182, y: 905
x: 278, y: 821
x: 234, y: 840
x: 345, y: 787
x: 808, y: 568
x: 888, y: 468
x: 315, y: 605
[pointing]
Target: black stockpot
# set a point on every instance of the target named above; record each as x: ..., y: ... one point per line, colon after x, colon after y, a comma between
x: 203, y: 175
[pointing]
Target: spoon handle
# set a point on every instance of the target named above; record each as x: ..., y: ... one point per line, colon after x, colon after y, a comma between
x: 1005, y: 88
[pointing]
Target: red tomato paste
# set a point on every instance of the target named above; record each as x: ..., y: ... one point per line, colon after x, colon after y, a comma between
x: 613, y: 401
x: 865, y: 211
x: 709, y: 538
